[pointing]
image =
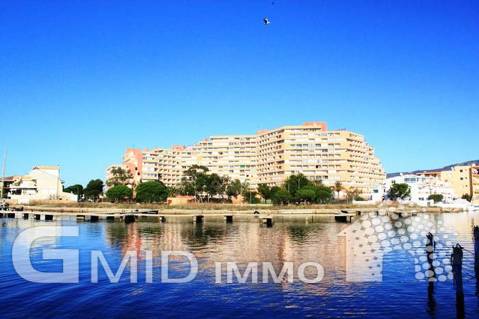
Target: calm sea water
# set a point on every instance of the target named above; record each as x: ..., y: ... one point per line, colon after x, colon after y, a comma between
x: 373, y: 268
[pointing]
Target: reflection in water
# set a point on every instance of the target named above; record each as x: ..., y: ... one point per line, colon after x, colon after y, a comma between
x: 376, y: 266
x: 431, y: 301
x: 241, y: 242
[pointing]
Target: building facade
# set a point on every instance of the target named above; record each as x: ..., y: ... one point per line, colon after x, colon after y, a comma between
x: 133, y: 162
x: 422, y: 187
x: 232, y: 156
x: 321, y: 155
x: 474, y: 178
x: 463, y: 179
x: 42, y: 183
x: 269, y: 157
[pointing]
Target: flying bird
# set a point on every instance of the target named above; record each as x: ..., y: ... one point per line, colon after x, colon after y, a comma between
x: 266, y: 21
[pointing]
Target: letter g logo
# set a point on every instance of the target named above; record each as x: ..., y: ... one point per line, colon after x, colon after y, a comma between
x: 21, y: 255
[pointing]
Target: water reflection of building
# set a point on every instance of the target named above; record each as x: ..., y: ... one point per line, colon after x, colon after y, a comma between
x: 240, y: 242
x: 141, y: 237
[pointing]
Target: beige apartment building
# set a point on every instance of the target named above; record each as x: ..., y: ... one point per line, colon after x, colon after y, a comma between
x: 464, y: 180
x: 319, y: 154
x: 475, y: 184
x: 269, y: 157
x: 232, y: 156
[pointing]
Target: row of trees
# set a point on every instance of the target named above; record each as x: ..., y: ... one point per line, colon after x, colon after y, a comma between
x: 297, y: 189
x: 205, y: 187
x: 210, y: 187
x: 121, y: 189
x: 147, y: 192
x: 92, y: 191
x: 198, y: 182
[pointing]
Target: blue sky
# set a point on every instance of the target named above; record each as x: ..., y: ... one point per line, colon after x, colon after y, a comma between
x: 82, y: 80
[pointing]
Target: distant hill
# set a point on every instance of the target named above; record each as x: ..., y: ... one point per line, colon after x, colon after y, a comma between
x: 445, y: 168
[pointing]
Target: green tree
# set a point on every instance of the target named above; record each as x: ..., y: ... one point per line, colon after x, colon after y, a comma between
x: 215, y: 185
x: 265, y: 191
x: 399, y: 191
x: 195, y: 181
x: 250, y: 197
x: 294, y: 183
x: 467, y: 197
x: 280, y: 196
x: 436, y: 197
x: 307, y: 194
x: 76, y: 189
x: 119, y: 193
x: 151, y: 192
x: 233, y: 189
x: 324, y: 195
x: 119, y: 176
x: 315, y: 193
x: 93, y: 189
x: 187, y: 188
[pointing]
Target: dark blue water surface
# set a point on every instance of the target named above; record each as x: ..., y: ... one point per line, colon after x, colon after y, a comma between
x: 373, y: 268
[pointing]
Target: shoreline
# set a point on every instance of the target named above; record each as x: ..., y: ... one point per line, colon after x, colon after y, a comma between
x: 231, y: 209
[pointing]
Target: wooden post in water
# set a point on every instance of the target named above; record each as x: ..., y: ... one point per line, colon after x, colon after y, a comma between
x: 476, y: 257
x: 268, y: 221
x: 129, y: 219
x: 456, y: 262
x: 430, y: 246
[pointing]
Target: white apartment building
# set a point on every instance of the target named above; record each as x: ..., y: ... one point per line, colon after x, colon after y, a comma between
x: 42, y: 183
x: 422, y: 187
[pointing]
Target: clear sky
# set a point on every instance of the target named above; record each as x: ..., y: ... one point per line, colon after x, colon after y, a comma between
x: 82, y: 80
